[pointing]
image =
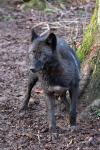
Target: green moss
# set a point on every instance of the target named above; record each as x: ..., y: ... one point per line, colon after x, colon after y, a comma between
x: 89, y: 35
x: 80, y: 54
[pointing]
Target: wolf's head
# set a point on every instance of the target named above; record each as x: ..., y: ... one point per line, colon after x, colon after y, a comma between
x: 43, y: 49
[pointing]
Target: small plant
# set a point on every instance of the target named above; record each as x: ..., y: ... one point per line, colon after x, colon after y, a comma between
x: 39, y: 4
x: 98, y: 113
x: 5, y: 17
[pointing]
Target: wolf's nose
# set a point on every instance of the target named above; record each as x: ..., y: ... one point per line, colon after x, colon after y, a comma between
x: 32, y: 69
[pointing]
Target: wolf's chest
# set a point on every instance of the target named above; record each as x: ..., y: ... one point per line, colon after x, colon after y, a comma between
x: 55, y: 82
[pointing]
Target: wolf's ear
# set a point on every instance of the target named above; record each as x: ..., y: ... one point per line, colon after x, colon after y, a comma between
x: 52, y: 41
x: 33, y: 35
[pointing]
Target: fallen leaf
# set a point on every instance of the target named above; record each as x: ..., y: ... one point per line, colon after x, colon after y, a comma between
x: 39, y: 90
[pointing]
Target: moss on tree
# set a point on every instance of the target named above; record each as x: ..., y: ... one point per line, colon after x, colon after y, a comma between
x: 89, y: 36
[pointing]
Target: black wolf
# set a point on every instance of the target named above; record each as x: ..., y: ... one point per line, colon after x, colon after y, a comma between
x: 56, y: 65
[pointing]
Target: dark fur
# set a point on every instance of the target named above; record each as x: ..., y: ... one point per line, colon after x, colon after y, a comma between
x: 56, y: 65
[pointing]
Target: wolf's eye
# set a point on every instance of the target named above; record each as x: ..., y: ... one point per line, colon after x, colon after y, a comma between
x: 34, y: 50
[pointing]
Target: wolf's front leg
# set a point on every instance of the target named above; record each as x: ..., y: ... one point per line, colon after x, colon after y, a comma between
x: 50, y: 101
x: 31, y: 82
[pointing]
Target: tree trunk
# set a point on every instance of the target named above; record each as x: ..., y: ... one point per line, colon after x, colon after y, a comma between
x: 95, y: 81
x: 92, y: 92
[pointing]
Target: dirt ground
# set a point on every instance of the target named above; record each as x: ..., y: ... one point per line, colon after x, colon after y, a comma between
x: 28, y: 132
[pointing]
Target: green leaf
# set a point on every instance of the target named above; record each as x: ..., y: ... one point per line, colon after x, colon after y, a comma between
x: 98, y: 114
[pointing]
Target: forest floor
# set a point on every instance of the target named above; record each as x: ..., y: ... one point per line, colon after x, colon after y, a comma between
x: 28, y: 132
